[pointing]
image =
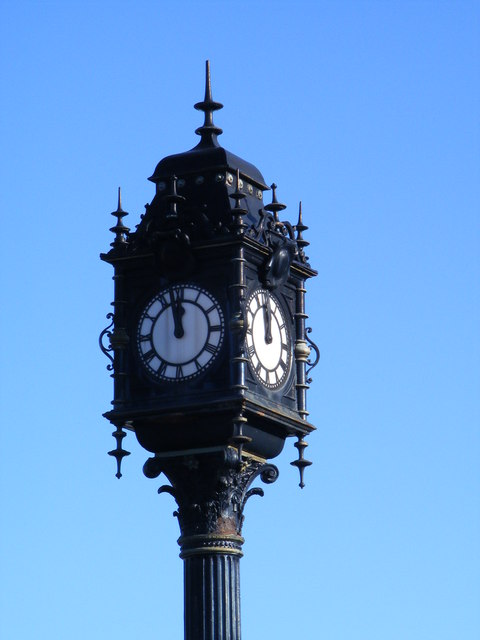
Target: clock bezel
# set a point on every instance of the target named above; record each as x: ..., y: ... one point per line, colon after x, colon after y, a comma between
x: 213, y: 348
x: 286, y: 347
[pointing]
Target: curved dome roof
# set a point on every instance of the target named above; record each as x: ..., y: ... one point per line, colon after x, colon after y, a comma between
x: 208, y: 154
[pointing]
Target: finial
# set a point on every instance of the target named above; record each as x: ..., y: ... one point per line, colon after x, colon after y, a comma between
x: 120, y: 230
x: 300, y: 228
x: 275, y: 206
x: 208, y: 131
x: 301, y: 463
x: 119, y: 453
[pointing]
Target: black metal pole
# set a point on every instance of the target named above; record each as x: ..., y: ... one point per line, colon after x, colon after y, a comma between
x: 212, y: 587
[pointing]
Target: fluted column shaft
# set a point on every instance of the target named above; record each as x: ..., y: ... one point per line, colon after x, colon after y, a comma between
x: 212, y: 597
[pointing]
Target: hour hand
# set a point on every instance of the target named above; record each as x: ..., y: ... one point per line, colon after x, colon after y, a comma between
x: 177, y: 312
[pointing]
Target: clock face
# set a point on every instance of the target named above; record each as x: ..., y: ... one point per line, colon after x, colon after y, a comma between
x: 267, y: 339
x: 180, y: 333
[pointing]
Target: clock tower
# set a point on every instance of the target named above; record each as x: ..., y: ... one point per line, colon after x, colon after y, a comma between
x: 210, y: 354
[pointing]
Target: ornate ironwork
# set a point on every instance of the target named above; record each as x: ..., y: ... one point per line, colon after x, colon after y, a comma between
x: 312, y: 344
x: 211, y: 489
x: 106, y: 332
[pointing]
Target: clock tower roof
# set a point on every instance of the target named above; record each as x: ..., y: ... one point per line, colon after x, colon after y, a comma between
x: 208, y: 154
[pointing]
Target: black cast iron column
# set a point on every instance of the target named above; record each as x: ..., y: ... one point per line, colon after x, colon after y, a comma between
x: 211, y: 488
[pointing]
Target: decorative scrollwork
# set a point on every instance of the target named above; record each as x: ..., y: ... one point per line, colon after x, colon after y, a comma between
x: 211, y: 489
x: 107, y: 350
x: 311, y: 364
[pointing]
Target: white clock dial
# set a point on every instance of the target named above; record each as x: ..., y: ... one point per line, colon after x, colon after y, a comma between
x: 267, y: 339
x: 180, y: 333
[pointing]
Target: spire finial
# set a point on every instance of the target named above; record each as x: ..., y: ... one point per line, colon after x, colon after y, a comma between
x: 300, y: 228
x: 208, y: 131
x: 120, y: 230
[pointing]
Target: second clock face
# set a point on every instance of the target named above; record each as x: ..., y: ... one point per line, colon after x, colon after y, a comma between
x: 180, y: 333
x: 267, y: 339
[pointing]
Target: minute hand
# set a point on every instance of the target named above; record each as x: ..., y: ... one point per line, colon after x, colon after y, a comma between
x: 267, y: 315
x: 177, y: 312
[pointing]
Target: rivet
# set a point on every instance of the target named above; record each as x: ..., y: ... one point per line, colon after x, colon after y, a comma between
x: 161, y: 186
x: 259, y: 194
x: 250, y: 189
x: 199, y: 180
x: 219, y: 177
x: 181, y: 183
x: 229, y: 178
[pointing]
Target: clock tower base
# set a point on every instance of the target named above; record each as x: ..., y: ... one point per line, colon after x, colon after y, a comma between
x: 211, y: 488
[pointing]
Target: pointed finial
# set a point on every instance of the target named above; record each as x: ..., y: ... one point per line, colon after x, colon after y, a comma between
x: 300, y: 228
x: 119, y: 452
x: 275, y: 206
x: 208, y: 131
x: 120, y: 230
x: 301, y: 463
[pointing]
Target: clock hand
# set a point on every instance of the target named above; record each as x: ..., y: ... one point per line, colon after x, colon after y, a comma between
x: 267, y: 316
x: 177, y: 312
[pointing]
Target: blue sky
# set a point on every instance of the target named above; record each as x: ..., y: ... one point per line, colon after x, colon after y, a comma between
x: 366, y: 111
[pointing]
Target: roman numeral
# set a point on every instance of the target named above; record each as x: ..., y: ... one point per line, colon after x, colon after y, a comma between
x: 251, y: 350
x: 162, y: 368
x: 207, y: 311
x: 149, y: 355
x: 163, y: 301
x: 211, y: 348
x: 216, y: 327
x: 179, y: 372
x: 146, y: 338
x: 179, y: 293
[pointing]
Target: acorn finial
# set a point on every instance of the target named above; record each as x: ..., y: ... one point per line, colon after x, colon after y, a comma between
x: 208, y: 131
